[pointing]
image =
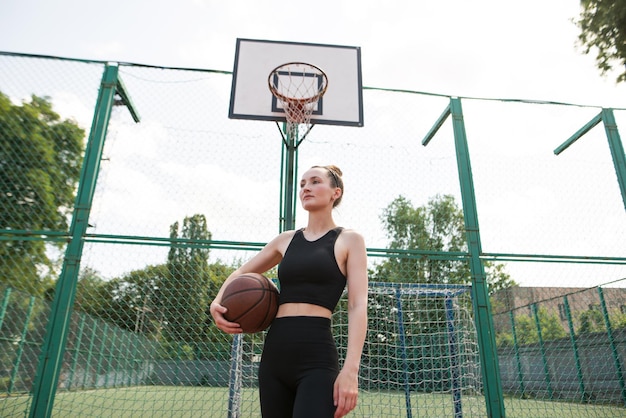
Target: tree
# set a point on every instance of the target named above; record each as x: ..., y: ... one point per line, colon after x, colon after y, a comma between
x: 185, y: 292
x: 131, y: 302
x: 40, y: 161
x: 602, y: 26
x: 429, y: 236
x: 591, y: 320
x: 526, y: 330
x: 436, y: 227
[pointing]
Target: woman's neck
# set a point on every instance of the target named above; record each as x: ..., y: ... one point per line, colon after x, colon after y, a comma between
x: 320, y: 224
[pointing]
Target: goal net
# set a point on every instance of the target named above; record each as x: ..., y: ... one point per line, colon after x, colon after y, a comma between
x: 420, y: 356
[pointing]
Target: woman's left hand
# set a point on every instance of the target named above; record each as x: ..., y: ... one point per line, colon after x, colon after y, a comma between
x: 345, y: 392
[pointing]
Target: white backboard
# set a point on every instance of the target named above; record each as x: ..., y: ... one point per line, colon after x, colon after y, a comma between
x: 250, y: 98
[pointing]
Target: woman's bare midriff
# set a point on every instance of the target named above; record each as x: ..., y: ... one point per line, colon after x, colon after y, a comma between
x: 302, y: 309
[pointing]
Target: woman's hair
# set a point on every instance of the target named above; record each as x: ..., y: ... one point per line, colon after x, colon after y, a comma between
x: 334, y: 174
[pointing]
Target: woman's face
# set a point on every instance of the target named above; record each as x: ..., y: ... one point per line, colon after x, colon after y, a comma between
x: 316, y: 190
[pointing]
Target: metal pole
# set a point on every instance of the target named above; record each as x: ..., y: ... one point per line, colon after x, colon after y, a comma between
x: 455, y: 370
x: 234, y: 384
x: 572, y: 337
x: 480, y: 293
x: 617, y: 149
x: 288, y: 176
x: 542, y: 348
x: 79, y: 339
x: 405, y: 366
x: 20, y: 346
x: 5, y: 304
x: 518, y: 358
x: 89, y: 355
x: 614, y: 350
x: 53, y: 349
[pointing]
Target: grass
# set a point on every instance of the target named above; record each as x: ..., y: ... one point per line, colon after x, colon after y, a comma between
x: 184, y: 401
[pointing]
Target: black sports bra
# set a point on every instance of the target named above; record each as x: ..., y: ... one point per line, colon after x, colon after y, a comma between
x: 309, y: 273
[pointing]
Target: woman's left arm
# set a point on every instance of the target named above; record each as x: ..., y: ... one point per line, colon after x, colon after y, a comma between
x: 346, y: 387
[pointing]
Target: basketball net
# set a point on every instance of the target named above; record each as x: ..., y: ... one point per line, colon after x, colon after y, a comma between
x: 298, y: 86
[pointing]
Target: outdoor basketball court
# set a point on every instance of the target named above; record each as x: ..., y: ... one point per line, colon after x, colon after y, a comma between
x: 187, y: 165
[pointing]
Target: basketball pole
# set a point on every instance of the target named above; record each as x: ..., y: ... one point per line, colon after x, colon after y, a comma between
x: 289, y: 157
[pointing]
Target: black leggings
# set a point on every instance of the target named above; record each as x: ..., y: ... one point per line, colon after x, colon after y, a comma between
x: 298, y: 369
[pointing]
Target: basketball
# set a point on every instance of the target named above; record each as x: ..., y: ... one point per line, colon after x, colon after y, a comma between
x: 252, y: 302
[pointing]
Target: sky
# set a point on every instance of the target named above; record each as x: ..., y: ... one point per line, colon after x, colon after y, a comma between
x: 523, y: 50
x: 482, y: 49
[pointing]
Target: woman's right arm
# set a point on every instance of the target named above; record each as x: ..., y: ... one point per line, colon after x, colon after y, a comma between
x: 264, y: 260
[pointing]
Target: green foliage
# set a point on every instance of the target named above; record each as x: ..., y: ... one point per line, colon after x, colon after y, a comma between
x: 436, y: 227
x: 175, y: 350
x: 130, y: 302
x: 591, y: 320
x: 169, y: 302
x: 618, y: 320
x: 504, y: 339
x: 185, y: 292
x: 551, y: 328
x: 40, y: 161
x: 138, y: 302
x: 527, y: 331
x: 602, y: 25
x: 4, y: 383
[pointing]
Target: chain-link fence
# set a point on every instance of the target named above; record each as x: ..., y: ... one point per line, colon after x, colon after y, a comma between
x: 185, y: 195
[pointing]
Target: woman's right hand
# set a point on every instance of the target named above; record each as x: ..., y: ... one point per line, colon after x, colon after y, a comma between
x: 217, y: 312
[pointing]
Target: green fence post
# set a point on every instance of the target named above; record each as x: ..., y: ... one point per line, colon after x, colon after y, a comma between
x: 614, y: 352
x: 542, y: 348
x: 53, y: 349
x: 20, y: 346
x: 124, y: 355
x: 5, y: 304
x: 617, y: 149
x: 572, y: 336
x: 3, y: 309
x: 89, y: 352
x: 480, y: 293
x: 103, y: 344
x: 107, y: 370
x: 135, y: 376
x: 518, y: 360
x: 79, y: 339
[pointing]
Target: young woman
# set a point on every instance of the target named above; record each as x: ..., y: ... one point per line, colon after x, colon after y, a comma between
x: 299, y: 372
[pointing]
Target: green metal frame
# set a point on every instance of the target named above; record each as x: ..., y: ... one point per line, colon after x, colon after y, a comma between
x: 480, y: 292
x: 53, y: 349
x: 607, y: 117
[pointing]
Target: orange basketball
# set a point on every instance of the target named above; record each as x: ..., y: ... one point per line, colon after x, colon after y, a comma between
x: 252, y: 302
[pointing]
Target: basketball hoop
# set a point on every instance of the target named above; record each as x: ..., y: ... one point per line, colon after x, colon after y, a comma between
x: 298, y: 86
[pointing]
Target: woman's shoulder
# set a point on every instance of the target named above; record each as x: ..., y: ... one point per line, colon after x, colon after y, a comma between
x: 352, y: 237
x: 286, y: 234
x: 282, y: 240
x: 350, y: 232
